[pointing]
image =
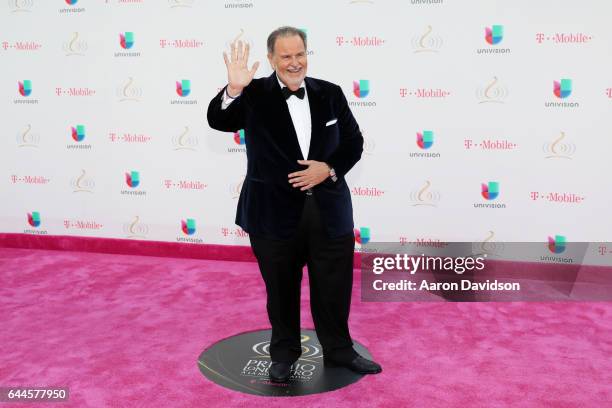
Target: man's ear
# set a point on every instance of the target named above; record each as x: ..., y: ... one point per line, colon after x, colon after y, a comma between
x: 270, y: 61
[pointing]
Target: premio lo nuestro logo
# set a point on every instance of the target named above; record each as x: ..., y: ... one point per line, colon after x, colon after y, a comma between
x: 239, y: 137
x: 78, y: 133
x: 183, y: 88
x: 34, y: 218
x: 427, y: 42
x: 361, y: 88
x: 83, y: 183
x: 493, y: 92
x: 494, y: 34
x: 242, y: 362
x: 425, y: 139
x: 184, y: 140
x: 136, y: 229
x: 21, y: 5
x: 75, y: 46
x: 490, y: 190
x: 425, y: 196
x: 188, y: 226
x: 489, y: 246
x: 559, y: 149
x: 25, y: 87
x: 562, y: 89
x: 362, y: 235
x: 557, y: 244
x: 27, y: 138
x: 129, y: 92
x: 180, y: 3
x: 126, y: 40
x: 132, y: 178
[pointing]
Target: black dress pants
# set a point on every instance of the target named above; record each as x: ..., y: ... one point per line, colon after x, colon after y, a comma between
x: 330, y: 272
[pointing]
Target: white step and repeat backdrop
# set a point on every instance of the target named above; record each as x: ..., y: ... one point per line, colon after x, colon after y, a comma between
x: 484, y: 120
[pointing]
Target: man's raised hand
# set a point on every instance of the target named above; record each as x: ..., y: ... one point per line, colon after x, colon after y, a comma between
x: 238, y: 73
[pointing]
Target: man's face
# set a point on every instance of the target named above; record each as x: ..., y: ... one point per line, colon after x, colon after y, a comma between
x: 289, y: 60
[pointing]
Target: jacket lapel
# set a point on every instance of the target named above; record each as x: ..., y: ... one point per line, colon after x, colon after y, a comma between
x: 317, y: 102
x: 286, y: 136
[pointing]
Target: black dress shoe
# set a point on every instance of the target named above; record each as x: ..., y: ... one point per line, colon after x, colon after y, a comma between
x: 279, y: 371
x: 358, y: 364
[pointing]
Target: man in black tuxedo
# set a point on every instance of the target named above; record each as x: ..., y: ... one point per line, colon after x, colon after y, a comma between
x: 297, y: 212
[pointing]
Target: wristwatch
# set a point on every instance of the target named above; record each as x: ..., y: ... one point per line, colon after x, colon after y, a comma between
x: 332, y: 174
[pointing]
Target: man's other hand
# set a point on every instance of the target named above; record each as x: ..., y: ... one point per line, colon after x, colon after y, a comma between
x: 316, y: 173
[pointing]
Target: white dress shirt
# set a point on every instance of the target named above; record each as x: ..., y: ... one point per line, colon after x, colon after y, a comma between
x: 299, y: 109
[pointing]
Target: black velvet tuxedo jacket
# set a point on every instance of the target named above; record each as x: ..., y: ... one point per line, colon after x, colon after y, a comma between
x: 269, y: 206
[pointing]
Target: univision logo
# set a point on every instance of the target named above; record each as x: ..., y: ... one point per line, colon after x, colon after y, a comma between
x: 183, y: 88
x: 132, y: 179
x: 490, y: 190
x: 494, y: 34
x: 239, y: 137
x: 78, y: 133
x: 71, y: 2
x: 425, y: 139
x: 126, y: 40
x: 562, y: 89
x: 361, y: 88
x: 557, y: 244
x: 25, y: 87
x: 188, y: 226
x: 362, y: 235
x: 34, y: 218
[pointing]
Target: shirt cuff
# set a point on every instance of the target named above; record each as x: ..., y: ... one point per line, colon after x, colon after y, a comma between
x: 227, y: 100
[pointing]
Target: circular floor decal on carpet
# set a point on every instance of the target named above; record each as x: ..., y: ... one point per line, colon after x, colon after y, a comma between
x: 241, y: 363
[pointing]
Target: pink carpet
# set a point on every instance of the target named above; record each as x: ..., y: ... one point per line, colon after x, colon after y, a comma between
x: 123, y: 330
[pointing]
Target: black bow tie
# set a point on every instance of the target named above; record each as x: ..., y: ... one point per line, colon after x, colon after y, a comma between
x: 288, y: 92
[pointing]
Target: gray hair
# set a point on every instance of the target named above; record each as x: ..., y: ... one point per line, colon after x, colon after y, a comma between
x: 286, y: 31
